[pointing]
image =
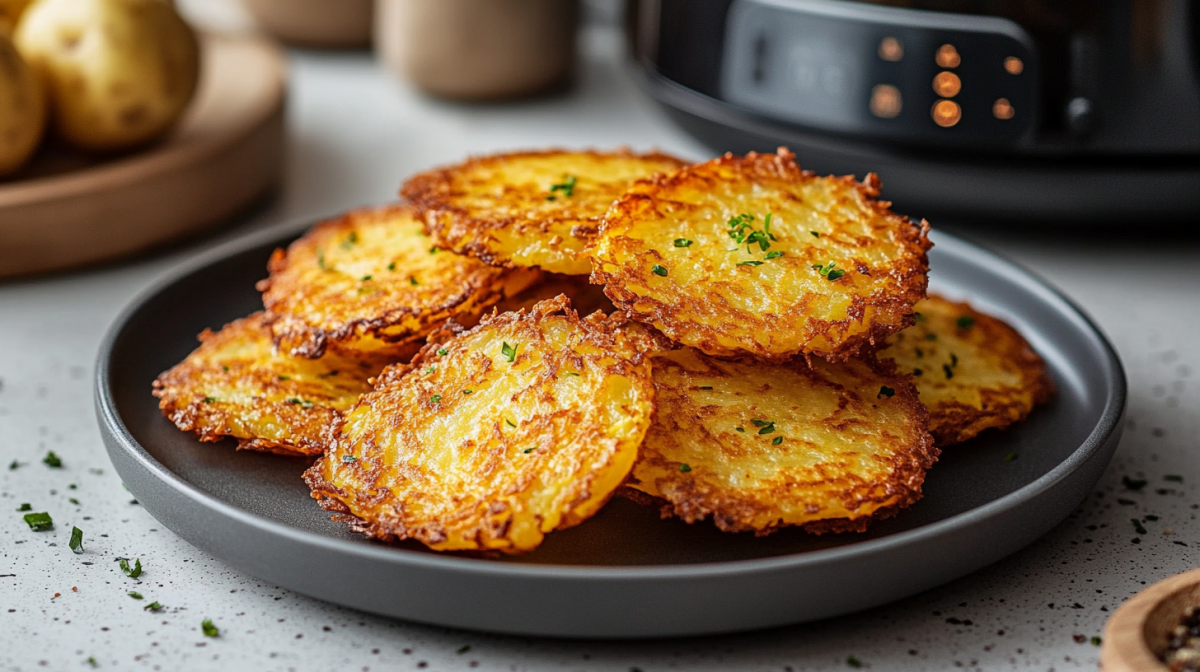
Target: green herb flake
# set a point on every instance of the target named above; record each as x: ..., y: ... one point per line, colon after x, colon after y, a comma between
x: 750, y: 263
x: 442, y: 352
x: 413, y: 281
x: 321, y: 259
x: 349, y: 459
x: 209, y: 630
x: 815, y: 234
x: 777, y: 440
x: 684, y: 468
x: 965, y: 322
x: 437, y: 399
x: 468, y: 391
x: 682, y: 242
x: 510, y: 423
x: 91, y: 660
x: 853, y: 662
x: 463, y: 649
x: 76, y: 543
x: 73, y: 501
x: 509, y: 351
x: 210, y: 400
x: 302, y: 403
x: 132, y: 572
x: 39, y: 522
x: 767, y: 430
x: 366, y: 278
x: 52, y: 460
x: 529, y: 450
x: 773, y: 255
x: 391, y: 266
x: 25, y: 507
x: 153, y: 606
x: 134, y: 594
x: 1096, y: 641
x: 919, y: 318
x: 705, y: 387
x: 1137, y: 526
x: 567, y: 187
x: 885, y: 391
x: 1010, y: 457
x: 431, y: 369
x: 1174, y: 478
x: 835, y: 274
x: 573, y: 374
x: 12, y: 466
x: 350, y: 240
x: 948, y: 371
x: 761, y: 423
x: 433, y: 250
x: 1134, y: 484
x: 659, y: 270
x: 740, y: 429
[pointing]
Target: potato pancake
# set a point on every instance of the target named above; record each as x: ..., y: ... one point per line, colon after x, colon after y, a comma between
x: 490, y: 439
x: 528, y: 208
x: 972, y: 370
x: 372, y: 280
x: 236, y: 384
x: 759, y: 445
x: 753, y: 255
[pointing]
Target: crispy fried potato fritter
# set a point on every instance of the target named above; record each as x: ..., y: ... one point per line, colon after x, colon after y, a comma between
x: 371, y: 280
x: 758, y: 445
x: 972, y: 370
x: 493, y: 438
x: 528, y: 208
x: 753, y: 255
x: 235, y: 384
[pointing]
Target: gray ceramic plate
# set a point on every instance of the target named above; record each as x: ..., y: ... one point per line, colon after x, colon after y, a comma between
x: 624, y: 573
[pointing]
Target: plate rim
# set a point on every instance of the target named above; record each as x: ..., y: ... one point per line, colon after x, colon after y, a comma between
x: 1108, y: 423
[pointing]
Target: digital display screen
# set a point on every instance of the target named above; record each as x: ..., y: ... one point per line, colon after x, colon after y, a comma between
x: 907, y: 74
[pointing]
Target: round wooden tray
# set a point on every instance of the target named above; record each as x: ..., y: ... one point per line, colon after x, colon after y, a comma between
x: 66, y: 209
x: 1138, y: 629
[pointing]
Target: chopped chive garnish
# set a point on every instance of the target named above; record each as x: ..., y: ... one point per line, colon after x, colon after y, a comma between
x: 367, y: 277
x: 25, y: 507
x: 350, y: 240
x: 509, y: 351
x: 391, y: 266
x: 413, y: 281
x: 529, y: 450
x: 433, y: 250
x: 12, y: 466
x: 778, y: 440
x: 431, y: 369
x: 659, y: 270
x: 572, y: 374
x: 1096, y: 641
x: 326, y: 375
x: 321, y: 259
x: 52, y: 460
x: 965, y: 322
x: 815, y: 234
x: 73, y: 501
x: 750, y: 263
x: 682, y: 242
x: 567, y: 187
x: 39, y: 522
x: 761, y: 423
x: 442, y: 352
x: 740, y: 429
x: 132, y: 572
x: 437, y: 398
x: 835, y: 274
x: 76, y: 543
x: 768, y: 429
x: 153, y: 606
x: 885, y: 391
x: 510, y: 423
x: 468, y: 391
x: 773, y: 255
x: 210, y: 400
x: 209, y: 630
x: 302, y: 403
x: 684, y: 468
x: 134, y: 594
x: 347, y: 459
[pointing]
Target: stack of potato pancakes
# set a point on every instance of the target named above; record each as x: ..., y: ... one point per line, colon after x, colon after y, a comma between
x: 528, y: 334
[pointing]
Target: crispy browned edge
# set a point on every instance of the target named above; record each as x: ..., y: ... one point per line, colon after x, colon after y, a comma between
x: 783, y: 165
x: 910, y: 468
x: 184, y: 417
x: 431, y: 194
x: 326, y: 493
x: 311, y: 342
x: 957, y: 422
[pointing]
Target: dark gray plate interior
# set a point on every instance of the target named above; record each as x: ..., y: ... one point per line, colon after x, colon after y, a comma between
x: 636, y: 574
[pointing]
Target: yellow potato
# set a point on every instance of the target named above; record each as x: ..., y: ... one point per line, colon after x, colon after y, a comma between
x: 491, y: 439
x: 972, y: 370
x: 119, y: 73
x: 22, y: 109
x: 10, y: 13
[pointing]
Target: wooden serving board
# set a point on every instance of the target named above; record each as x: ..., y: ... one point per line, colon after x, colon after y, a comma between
x: 68, y: 209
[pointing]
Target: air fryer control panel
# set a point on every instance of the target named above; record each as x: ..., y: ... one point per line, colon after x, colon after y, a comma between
x: 882, y: 72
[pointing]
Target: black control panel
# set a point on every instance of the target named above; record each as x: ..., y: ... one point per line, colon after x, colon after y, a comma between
x: 881, y: 72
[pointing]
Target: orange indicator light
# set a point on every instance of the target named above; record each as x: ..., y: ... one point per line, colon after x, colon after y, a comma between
x: 886, y: 102
x: 1002, y: 109
x: 1014, y: 65
x: 947, y: 84
x: 891, y: 49
x: 946, y: 113
x: 947, y: 56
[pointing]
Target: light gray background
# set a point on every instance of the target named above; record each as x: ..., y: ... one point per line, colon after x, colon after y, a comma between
x: 355, y: 133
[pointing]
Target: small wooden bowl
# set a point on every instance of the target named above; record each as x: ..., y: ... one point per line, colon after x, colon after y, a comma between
x: 1138, y: 630
x: 327, y: 24
x: 68, y: 209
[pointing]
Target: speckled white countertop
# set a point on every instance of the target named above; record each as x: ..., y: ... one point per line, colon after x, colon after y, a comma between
x: 354, y: 135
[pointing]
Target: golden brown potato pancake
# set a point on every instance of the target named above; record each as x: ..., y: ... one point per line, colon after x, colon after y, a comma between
x: 371, y: 280
x: 972, y: 370
x: 759, y: 445
x: 493, y: 438
x: 753, y: 255
x: 236, y: 384
x: 528, y: 208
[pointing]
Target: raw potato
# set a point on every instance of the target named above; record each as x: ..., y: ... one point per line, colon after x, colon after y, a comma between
x: 494, y: 438
x: 972, y: 370
x: 22, y: 109
x: 10, y: 13
x: 236, y: 384
x: 754, y: 255
x: 119, y: 72
x: 758, y: 445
